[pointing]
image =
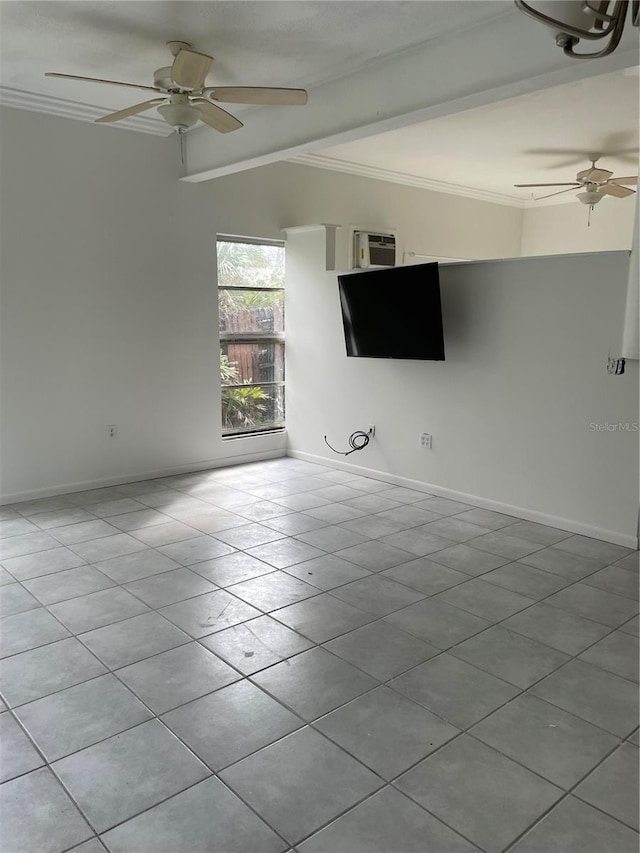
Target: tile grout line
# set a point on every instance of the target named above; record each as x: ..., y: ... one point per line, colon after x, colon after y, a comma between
x: 386, y: 783
x: 242, y: 676
x: 318, y: 645
x: 268, y: 613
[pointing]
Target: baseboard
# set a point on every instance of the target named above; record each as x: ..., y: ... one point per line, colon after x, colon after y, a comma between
x: 568, y: 524
x: 119, y: 479
x: 561, y: 523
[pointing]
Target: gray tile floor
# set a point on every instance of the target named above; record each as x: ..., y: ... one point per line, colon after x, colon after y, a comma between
x: 280, y: 656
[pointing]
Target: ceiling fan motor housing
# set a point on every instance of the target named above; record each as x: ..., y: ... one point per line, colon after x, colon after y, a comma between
x: 162, y: 79
x: 594, y: 174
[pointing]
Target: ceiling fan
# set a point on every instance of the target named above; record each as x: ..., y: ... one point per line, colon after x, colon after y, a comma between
x: 183, y: 99
x: 596, y: 183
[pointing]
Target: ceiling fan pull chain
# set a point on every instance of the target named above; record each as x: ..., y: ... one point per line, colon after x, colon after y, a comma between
x: 181, y: 138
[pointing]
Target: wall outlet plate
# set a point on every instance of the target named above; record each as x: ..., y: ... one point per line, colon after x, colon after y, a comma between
x: 426, y: 440
x: 615, y: 366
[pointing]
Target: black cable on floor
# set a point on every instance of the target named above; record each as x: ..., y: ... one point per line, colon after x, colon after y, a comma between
x: 357, y: 441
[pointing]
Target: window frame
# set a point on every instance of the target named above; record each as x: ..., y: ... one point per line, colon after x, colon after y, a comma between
x: 252, y: 337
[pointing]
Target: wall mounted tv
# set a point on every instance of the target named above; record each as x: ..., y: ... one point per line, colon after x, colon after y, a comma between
x: 393, y: 313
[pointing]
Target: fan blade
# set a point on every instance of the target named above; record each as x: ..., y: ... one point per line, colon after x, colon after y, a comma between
x: 615, y: 190
x: 98, y: 80
x: 613, y: 145
x: 216, y: 117
x: 633, y: 179
x: 190, y: 69
x: 131, y: 111
x: 540, y: 197
x: 572, y: 184
x: 257, y: 95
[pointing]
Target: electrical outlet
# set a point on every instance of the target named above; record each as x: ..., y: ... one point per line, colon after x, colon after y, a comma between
x: 426, y: 440
x: 371, y: 429
x: 112, y: 431
x: 615, y: 366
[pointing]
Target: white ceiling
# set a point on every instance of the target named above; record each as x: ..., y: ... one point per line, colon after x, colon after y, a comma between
x: 543, y: 137
x: 480, y: 151
x: 254, y: 42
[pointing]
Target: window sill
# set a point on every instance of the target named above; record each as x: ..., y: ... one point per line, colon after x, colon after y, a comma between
x: 259, y: 434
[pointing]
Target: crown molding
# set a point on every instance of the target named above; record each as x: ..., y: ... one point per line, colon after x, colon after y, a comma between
x: 49, y: 105
x: 334, y: 164
x: 80, y: 112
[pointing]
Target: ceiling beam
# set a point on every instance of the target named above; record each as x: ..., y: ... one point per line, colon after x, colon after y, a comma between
x: 498, y: 59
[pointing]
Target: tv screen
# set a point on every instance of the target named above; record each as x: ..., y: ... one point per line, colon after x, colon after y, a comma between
x: 393, y: 313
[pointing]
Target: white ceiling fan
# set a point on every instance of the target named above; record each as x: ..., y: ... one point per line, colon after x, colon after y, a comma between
x: 183, y: 98
x: 596, y: 183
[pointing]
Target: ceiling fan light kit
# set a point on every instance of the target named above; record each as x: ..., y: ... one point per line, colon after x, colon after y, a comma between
x: 179, y: 112
x: 590, y: 197
x: 183, y: 99
x: 591, y: 20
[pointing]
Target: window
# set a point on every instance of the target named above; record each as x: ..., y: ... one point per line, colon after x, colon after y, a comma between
x: 251, y: 307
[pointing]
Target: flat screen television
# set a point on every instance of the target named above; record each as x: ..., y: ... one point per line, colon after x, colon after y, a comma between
x: 393, y: 313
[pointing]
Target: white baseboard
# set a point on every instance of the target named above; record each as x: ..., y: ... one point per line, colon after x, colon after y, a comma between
x: 568, y: 524
x: 119, y: 479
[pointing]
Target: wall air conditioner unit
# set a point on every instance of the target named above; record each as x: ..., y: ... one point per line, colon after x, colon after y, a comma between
x: 372, y: 250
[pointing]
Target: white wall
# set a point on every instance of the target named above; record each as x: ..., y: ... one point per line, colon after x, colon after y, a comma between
x: 109, y: 311
x: 261, y: 201
x: 563, y: 228
x: 510, y: 409
x: 517, y: 349
x: 631, y: 335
